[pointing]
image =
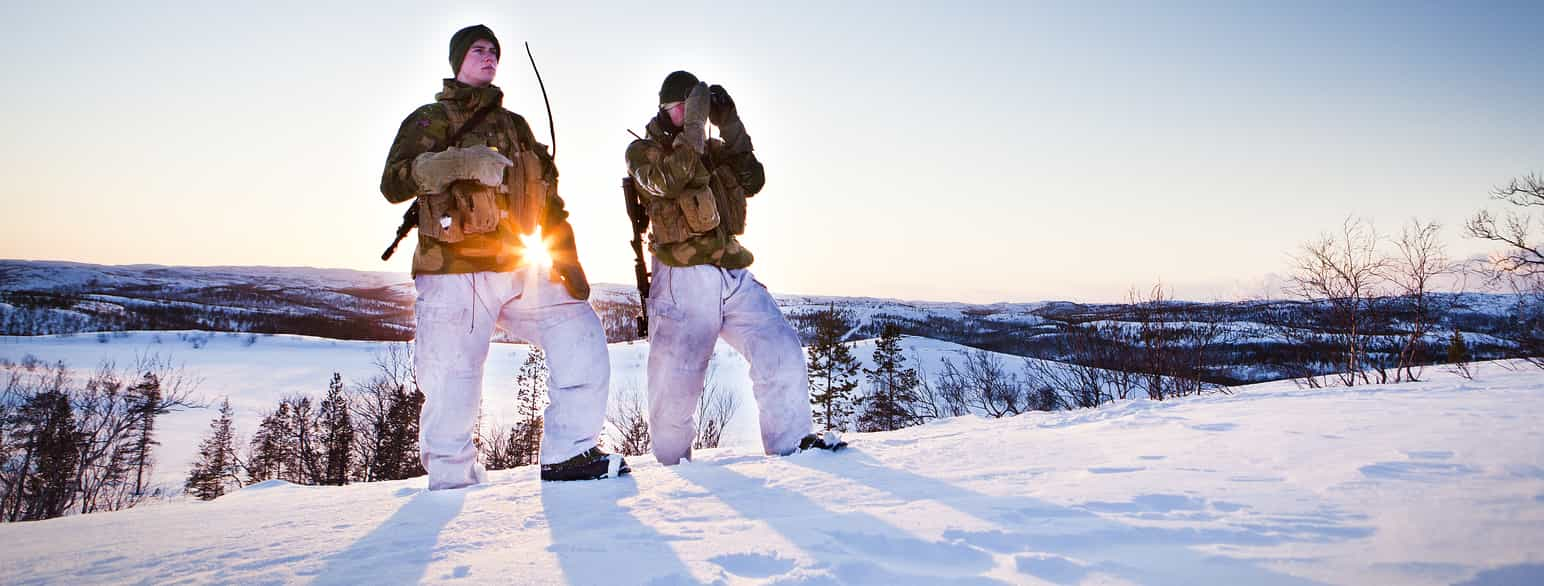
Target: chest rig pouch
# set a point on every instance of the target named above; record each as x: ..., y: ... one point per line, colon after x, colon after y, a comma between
x: 469, y: 209
x: 526, y: 190
x: 692, y: 212
x: 730, y: 196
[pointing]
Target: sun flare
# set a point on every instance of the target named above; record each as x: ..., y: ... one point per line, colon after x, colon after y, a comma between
x: 534, y: 249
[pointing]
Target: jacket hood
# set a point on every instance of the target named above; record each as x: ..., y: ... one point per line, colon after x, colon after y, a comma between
x: 467, y: 98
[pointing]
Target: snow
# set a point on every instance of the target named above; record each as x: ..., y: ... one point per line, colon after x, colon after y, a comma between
x: 1435, y: 482
x: 255, y: 371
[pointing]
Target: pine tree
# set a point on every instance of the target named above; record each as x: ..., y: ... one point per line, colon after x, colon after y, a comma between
x: 832, y: 373
x: 1458, y: 355
x: 53, y: 446
x: 1458, y: 351
x: 217, y: 465
x: 272, y: 449
x: 337, y: 433
x: 306, y: 451
x: 888, y: 407
x: 144, y: 405
x: 397, y: 457
x: 530, y: 394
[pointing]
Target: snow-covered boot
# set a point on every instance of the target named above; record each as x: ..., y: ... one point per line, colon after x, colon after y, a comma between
x: 829, y: 441
x: 590, y: 465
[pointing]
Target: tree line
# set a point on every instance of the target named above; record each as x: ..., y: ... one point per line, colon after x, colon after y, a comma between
x: 363, y: 432
x: 80, y: 444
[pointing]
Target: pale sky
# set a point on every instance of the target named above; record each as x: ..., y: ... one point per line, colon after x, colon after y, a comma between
x: 969, y: 151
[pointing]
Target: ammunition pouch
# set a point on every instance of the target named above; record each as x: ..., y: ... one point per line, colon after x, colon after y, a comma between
x: 528, y: 191
x: 675, y: 220
x: 667, y: 224
x: 699, y: 208
x: 730, y: 197
x: 468, y: 208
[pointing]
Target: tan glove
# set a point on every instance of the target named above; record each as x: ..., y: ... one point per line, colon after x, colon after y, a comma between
x: 694, y: 125
x: 434, y: 172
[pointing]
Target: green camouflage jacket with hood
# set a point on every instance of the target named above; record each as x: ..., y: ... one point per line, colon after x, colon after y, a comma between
x: 426, y: 130
x: 679, y: 186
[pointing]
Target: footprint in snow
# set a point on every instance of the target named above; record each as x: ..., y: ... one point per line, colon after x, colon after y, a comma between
x: 1114, y: 470
x: 1051, y: 568
x: 1214, y: 427
x: 753, y: 565
x: 1426, y: 471
x: 935, y: 556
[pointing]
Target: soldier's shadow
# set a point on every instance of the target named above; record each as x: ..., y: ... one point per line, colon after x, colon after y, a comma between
x: 401, y: 548
x: 853, y: 546
x: 1064, y: 544
x: 598, y: 541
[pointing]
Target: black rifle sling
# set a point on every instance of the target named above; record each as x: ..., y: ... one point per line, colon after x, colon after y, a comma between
x: 410, y: 216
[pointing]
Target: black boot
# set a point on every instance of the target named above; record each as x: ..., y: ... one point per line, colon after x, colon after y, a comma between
x: 829, y: 441
x: 590, y: 465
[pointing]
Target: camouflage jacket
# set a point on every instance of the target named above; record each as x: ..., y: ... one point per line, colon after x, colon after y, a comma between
x: 425, y: 130
x: 696, y: 203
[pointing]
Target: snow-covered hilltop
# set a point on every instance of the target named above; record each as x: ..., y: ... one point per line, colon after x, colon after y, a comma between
x: 1436, y: 482
x: 1242, y: 342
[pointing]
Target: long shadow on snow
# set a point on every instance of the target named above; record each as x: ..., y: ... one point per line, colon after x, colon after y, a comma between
x: 400, y: 550
x: 1143, y: 554
x: 856, y: 547
x: 597, y: 541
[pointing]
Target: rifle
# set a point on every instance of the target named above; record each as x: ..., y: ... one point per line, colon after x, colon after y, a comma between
x: 640, y: 220
x: 410, y: 216
x: 409, y: 221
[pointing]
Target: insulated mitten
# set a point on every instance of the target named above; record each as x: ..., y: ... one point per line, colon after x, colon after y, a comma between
x: 572, y: 276
x: 694, y: 125
x: 434, y: 172
x: 720, y: 105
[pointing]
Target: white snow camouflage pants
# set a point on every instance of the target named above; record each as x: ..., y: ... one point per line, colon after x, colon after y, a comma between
x: 455, y: 316
x: 689, y: 309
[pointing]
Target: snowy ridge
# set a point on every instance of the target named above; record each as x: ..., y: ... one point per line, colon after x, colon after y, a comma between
x: 43, y: 297
x: 1272, y: 485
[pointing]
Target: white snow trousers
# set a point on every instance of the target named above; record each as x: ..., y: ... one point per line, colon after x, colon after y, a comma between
x: 689, y: 309
x: 456, y: 315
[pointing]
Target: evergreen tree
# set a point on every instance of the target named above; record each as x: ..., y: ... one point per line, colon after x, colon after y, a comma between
x: 337, y: 433
x: 217, y: 465
x: 397, y: 457
x: 53, y: 446
x: 832, y: 373
x: 530, y: 393
x: 144, y: 405
x: 305, y: 463
x: 894, y: 387
x: 1458, y: 355
x: 1458, y: 351
x: 272, y: 450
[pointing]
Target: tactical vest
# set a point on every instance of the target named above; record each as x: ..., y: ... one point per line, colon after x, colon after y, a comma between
x: 714, y: 202
x: 469, y: 208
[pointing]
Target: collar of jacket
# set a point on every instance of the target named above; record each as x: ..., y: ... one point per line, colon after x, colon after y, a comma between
x: 466, y: 98
x: 656, y: 131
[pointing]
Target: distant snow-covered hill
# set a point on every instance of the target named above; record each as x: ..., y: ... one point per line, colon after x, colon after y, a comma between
x: 48, y: 297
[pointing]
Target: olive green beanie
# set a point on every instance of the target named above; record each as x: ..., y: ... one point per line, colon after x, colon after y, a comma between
x: 461, y: 42
x: 677, y: 85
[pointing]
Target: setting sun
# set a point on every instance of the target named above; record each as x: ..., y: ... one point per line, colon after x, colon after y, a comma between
x: 535, y: 249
